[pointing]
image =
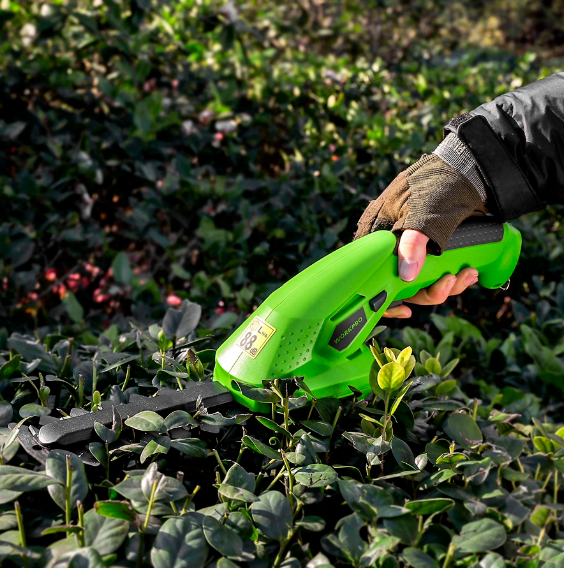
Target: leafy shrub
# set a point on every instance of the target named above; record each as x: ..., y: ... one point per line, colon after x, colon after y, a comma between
x: 154, y: 153
x: 421, y: 473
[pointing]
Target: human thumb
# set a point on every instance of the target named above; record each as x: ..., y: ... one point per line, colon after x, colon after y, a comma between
x: 411, y: 254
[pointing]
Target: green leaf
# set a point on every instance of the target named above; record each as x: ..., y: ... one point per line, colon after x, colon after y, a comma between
x: 116, y: 510
x: 122, y: 269
x: 449, y: 368
x: 312, y: 523
x: 18, y: 479
x: 480, y: 536
x: 429, y: 506
x: 73, y: 307
x: 432, y: 365
x: 399, y: 397
x: 106, y: 435
x: 404, y: 357
x: 404, y: 528
x: 258, y: 394
x: 318, y: 426
x: 544, y: 445
x: 238, y: 477
x: 103, y: 533
x: 146, y: 421
x: 181, y: 543
x: 225, y: 540
x: 402, y: 452
x: 418, y: 559
x: 241, y: 524
x: 316, y: 475
x: 270, y: 424
x: 120, y: 363
x: 33, y: 409
x: 159, y: 445
x: 70, y: 529
x: 81, y: 558
x: 131, y: 489
x: 183, y: 321
x: 373, y: 378
x: 260, y: 448
x: 232, y: 492
x: 463, y: 429
x: 178, y: 419
x: 56, y: 467
x: 540, y: 516
x: 391, y: 376
x: 445, y: 386
x: 272, y: 515
x: 378, y: 548
x: 10, y: 367
x: 98, y: 450
x: 192, y: 447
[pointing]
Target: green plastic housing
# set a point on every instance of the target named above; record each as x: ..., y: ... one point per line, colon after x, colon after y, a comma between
x: 312, y: 338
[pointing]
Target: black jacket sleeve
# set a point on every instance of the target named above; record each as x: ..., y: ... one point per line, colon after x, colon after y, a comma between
x: 518, y: 142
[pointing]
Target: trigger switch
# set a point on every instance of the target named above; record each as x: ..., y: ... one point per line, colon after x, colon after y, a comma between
x: 395, y: 303
x: 378, y: 301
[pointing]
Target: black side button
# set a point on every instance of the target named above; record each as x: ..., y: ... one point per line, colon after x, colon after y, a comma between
x: 378, y: 301
x: 395, y: 303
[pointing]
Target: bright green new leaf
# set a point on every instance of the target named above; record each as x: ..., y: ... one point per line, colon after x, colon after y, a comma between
x: 391, y: 376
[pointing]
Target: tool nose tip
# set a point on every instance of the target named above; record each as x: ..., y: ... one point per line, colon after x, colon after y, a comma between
x: 48, y: 434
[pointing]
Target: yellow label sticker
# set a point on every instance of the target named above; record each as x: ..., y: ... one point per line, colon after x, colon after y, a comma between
x: 255, y: 337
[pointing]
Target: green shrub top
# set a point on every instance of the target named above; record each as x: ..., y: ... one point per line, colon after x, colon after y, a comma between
x: 420, y: 473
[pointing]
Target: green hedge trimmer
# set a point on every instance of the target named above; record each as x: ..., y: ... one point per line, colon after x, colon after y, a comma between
x: 316, y: 326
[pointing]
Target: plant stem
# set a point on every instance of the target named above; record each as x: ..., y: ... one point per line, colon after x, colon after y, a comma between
x: 284, y: 543
x: 449, y: 555
x: 419, y: 531
x: 337, y: 416
x: 546, y: 481
x: 290, y: 480
x: 475, y: 409
x: 94, y: 378
x: 275, y: 480
x: 555, y: 498
x: 146, y: 524
x: 127, y: 377
x: 311, y: 408
x: 21, y: 530
x: 385, y: 421
x: 542, y: 533
x: 81, y: 385
x: 68, y: 490
x: 219, y: 462
x: 80, y: 535
x: 189, y: 500
x: 286, y: 410
x: 240, y: 453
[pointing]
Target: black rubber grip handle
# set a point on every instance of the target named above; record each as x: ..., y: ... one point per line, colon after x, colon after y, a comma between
x: 476, y: 231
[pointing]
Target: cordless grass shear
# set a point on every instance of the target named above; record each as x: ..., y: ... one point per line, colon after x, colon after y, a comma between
x: 316, y: 326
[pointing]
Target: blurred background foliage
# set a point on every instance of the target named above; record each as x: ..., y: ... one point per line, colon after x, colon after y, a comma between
x: 153, y: 151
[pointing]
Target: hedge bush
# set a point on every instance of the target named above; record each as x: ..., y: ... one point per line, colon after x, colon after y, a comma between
x: 421, y: 474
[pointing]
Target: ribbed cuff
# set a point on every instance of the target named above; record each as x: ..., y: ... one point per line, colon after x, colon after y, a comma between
x: 457, y: 155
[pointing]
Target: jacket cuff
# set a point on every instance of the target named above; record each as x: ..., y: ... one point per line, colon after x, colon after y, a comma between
x: 510, y: 194
x: 455, y: 153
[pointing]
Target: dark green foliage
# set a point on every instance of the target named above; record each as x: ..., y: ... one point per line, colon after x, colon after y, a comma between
x: 412, y: 474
